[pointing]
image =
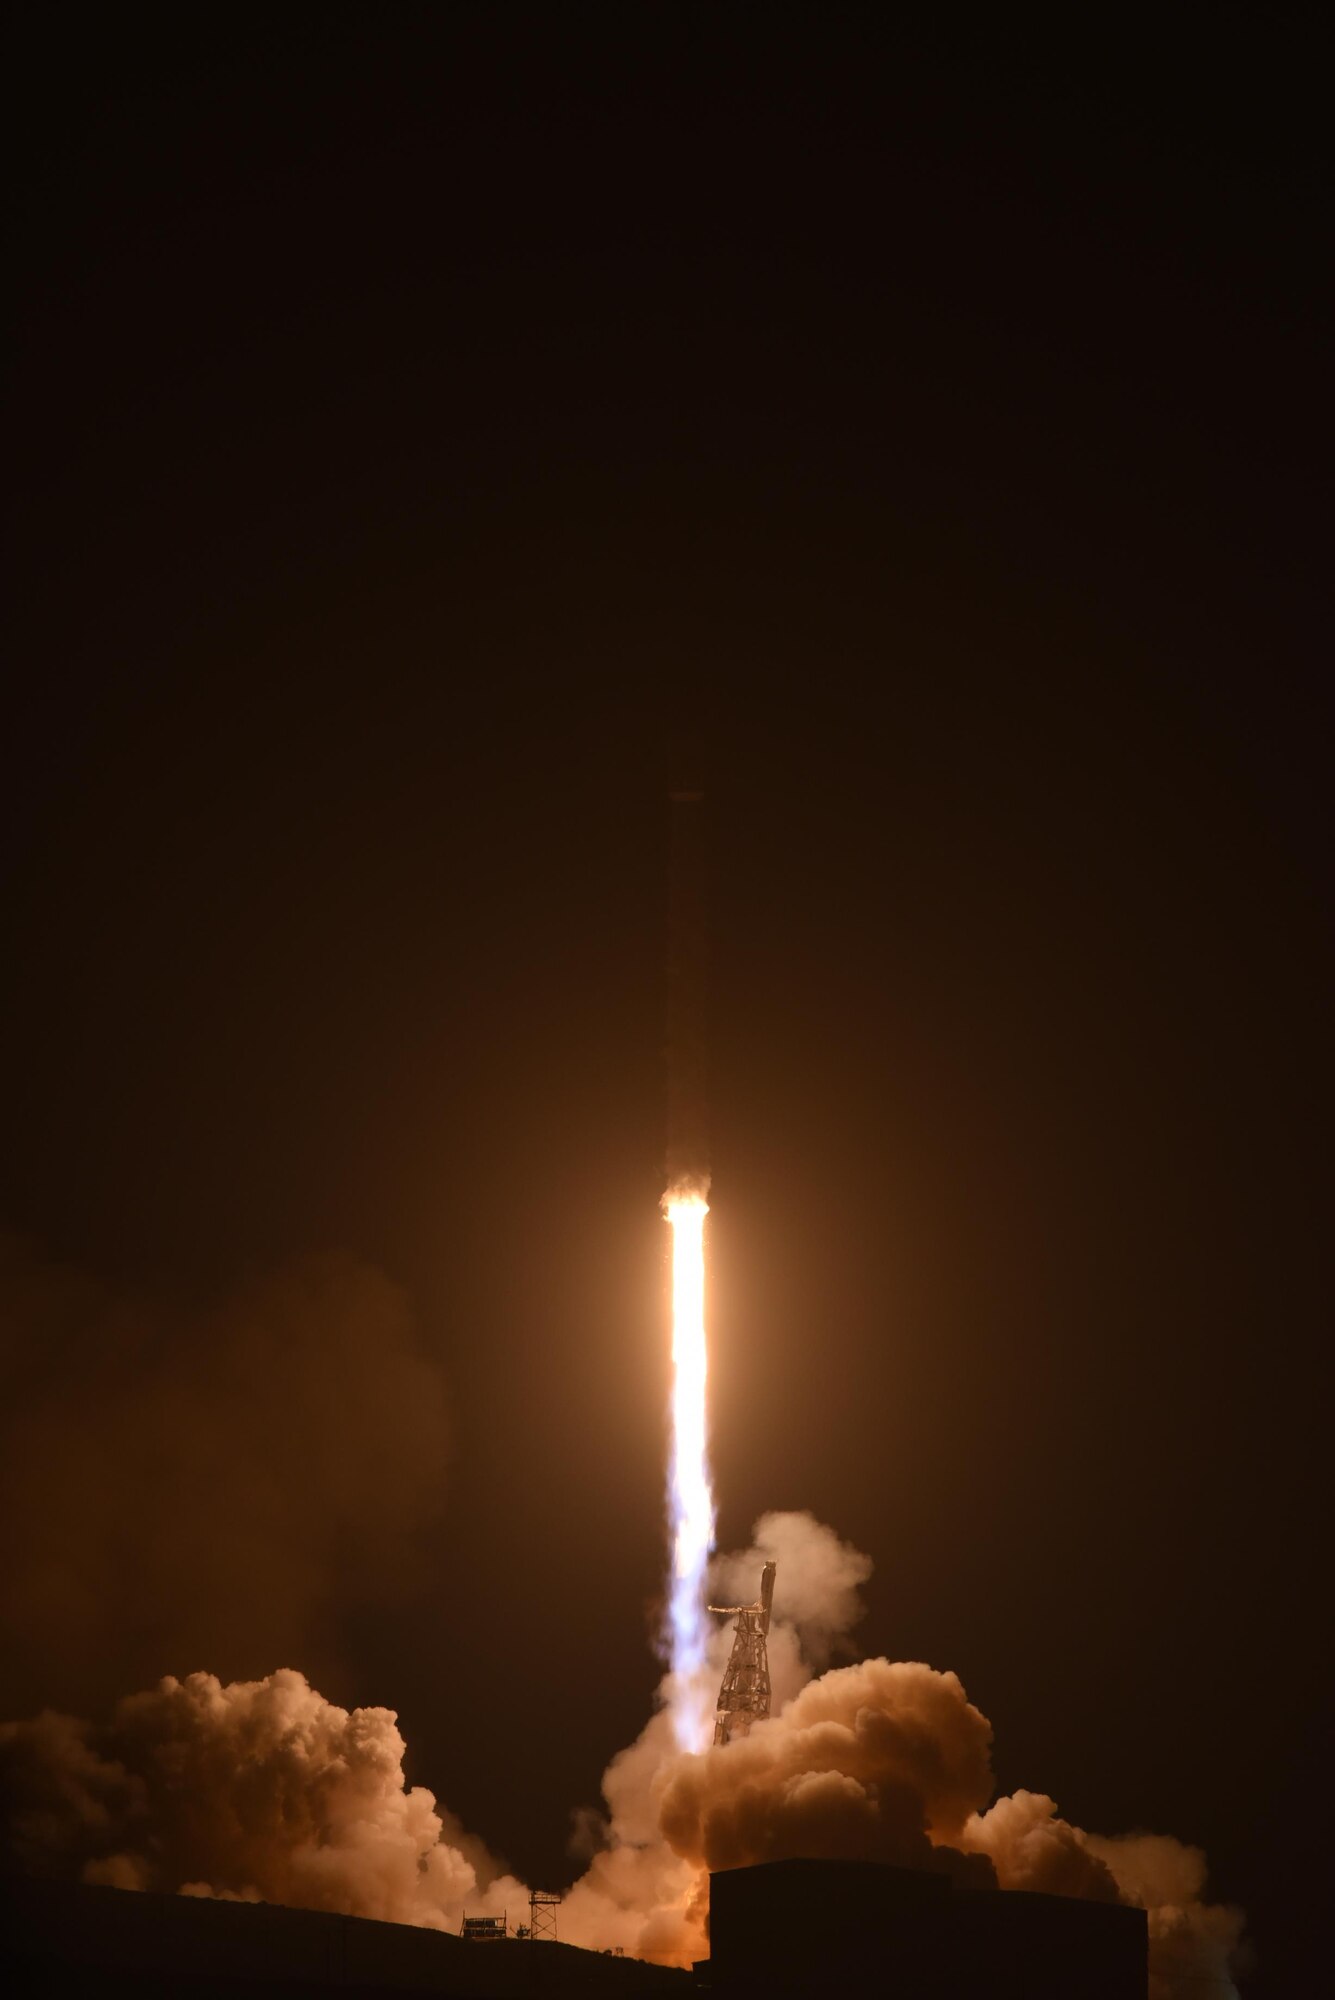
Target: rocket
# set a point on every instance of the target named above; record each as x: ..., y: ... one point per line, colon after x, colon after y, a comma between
x: 687, y: 988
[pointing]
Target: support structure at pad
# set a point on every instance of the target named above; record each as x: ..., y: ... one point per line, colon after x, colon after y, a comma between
x: 744, y: 1695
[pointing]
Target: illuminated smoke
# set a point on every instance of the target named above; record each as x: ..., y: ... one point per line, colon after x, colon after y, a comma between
x: 877, y: 1761
x: 263, y: 1789
x: 690, y: 1500
x: 259, y: 1791
x: 881, y: 1760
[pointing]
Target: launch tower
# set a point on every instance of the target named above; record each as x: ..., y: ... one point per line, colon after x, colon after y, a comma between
x: 744, y: 1695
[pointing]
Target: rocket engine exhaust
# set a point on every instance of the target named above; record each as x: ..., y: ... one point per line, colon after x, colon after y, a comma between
x: 690, y: 1498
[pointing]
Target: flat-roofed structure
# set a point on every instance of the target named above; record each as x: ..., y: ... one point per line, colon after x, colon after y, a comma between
x: 790, y: 1928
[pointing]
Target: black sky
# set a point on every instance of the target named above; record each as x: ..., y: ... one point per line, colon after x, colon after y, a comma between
x: 418, y: 420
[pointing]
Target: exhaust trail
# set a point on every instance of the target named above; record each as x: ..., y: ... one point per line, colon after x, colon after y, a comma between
x: 690, y: 1497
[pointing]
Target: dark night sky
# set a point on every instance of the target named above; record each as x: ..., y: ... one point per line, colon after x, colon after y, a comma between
x: 419, y: 419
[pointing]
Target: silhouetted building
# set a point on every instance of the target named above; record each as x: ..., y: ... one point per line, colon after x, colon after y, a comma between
x: 789, y: 1928
x: 59, y: 1940
x: 782, y: 1930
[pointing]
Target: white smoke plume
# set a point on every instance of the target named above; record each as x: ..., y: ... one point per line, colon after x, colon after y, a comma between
x: 261, y: 1791
x: 639, y: 1891
x: 880, y: 1760
x: 264, y: 1789
x: 1195, y: 1946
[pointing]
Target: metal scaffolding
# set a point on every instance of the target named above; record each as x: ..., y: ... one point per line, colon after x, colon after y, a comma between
x: 542, y: 1910
x: 744, y: 1695
x: 483, y: 1930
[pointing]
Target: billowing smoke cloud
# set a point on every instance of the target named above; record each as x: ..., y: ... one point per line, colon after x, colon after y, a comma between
x: 260, y: 1791
x: 1195, y: 1946
x: 878, y: 1761
x: 639, y: 1891
x: 264, y: 1789
x: 210, y: 1485
x: 891, y: 1762
x: 881, y: 1760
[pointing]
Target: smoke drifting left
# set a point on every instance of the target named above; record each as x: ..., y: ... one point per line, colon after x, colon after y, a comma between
x: 265, y: 1790
x: 254, y: 1791
x: 216, y: 1486
x: 194, y: 1498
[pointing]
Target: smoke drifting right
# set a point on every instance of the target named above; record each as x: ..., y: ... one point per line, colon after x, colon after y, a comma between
x: 263, y: 1790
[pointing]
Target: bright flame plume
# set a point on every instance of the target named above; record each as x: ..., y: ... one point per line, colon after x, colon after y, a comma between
x: 690, y: 1500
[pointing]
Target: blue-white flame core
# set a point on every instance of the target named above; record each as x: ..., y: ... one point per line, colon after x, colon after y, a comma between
x: 690, y: 1499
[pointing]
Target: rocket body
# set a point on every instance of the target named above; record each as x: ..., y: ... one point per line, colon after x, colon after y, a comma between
x: 687, y: 996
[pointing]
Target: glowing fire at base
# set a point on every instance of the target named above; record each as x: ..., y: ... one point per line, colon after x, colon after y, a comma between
x: 690, y: 1501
